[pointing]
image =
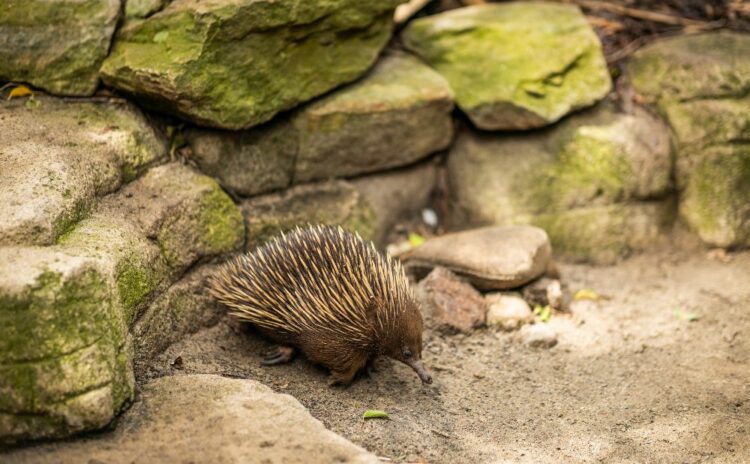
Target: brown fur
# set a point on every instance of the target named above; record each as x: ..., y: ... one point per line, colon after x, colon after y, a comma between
x: 330, y: 294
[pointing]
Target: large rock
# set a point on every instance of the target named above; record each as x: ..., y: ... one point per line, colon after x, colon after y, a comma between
x: 515, y: 65
x: 139, y: 9
x: 700, y: 83
x: 58, y: 157
x: 335, y: 202
x: 65, y: 310
x: 399, y: 113
x: 396, y: 115
x: 490, y: 257
x: 56, y: 45
x: 397, y: 195
x: 245, y: 420
x: 64, y: 362
x: 582, y: 181
x: 236, y: 64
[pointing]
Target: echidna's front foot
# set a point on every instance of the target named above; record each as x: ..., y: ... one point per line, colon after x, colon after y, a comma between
x: 278, y: 354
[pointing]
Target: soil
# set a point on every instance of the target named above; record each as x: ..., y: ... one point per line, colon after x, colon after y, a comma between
x: 631, y: 379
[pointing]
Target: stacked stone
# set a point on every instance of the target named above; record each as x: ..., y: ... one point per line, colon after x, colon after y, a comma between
x: 294, y: 109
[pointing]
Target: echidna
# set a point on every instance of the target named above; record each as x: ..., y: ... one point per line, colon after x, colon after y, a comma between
x: 329, y: 294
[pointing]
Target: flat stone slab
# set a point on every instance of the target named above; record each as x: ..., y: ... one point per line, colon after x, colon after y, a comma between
x: 207, y: 418
x: 58, y: 157
x: 57, y: 46
x: 516, y: 65
x: 282, y: 53
x: 492, y: 258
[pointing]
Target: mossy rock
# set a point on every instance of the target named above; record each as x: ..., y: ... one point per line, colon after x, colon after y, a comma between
x: 331, y: 203
x: 65, y: 362
x: 236, y: 64
x: 606, y: 234
x: 57, y: 46
x: 58, y: 158
x: 516, y: 65
x: 399, y: 113
x: 700, y: 83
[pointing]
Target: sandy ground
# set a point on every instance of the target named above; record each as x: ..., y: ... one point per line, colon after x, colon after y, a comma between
x: 629, y: 380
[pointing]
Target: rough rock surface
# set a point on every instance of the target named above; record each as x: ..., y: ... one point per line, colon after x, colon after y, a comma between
x: 700, y: 83
x: 183, y: 309
x: 399, y: 113
x: 66, y: 356
x: 207, y: 418
x: 236, y: 64
x: 507, y: 311
x: 538, y: 336
x: 450, y: 304
x: 336, y: 202
x: 594, y: 182
x: 516, y: 65
x: 57, y: 46
x: 396, y: 115
x: 57, y: 158
x: 490, y: 257
x: 64, y: 365
x: 397, y: 195
x: 143, y: 8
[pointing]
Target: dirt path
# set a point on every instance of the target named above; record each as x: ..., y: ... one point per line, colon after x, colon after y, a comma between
x: 629, y: 381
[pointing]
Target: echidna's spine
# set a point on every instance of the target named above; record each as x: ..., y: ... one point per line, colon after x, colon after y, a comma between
x: 313, y: 279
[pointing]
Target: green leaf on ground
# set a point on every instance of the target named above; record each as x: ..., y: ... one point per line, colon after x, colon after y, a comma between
x: 374, y: 414
x: 685, y: 316
x: 415, y: 239
x: 586, y: 294
x: 544, y: 312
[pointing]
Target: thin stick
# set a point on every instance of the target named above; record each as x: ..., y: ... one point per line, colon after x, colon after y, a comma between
x: 636, y: 13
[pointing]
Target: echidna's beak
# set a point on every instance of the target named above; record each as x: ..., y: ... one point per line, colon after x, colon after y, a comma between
x: 421, y: 371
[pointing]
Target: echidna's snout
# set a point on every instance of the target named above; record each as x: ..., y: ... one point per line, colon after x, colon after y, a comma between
x: 420, y: 370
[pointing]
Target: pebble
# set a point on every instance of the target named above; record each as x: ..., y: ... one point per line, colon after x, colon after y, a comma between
x: 507, y: 311
x: 538, y: 336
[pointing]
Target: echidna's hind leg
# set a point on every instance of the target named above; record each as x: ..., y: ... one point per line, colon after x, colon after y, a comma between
x: 278, y: 354
x: 342, y: 377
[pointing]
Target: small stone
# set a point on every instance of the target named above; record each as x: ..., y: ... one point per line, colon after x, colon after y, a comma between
x: 509, y: 312
x: 450, y: 304
x: 492, y: 258
x: 538, y: 336
x: 547, y: 292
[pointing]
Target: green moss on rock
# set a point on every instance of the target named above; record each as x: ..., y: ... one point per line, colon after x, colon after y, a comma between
x: 235, y: 64
x: 57, y: 46
x: 332, y: 203
x: 516, y: 65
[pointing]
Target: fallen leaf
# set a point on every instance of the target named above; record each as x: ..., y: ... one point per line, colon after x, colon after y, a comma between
x: 544, y: 312
x: 586, y: 294
x: 20, y: 91
x: 685, y: 316
x: 415, y: 239
x: 32, y: 103
x: 374, y: 414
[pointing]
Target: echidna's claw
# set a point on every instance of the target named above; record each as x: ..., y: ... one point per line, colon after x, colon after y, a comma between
x: 278, y: 354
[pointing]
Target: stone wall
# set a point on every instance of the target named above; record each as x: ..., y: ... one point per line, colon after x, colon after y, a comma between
x: 143, y: 143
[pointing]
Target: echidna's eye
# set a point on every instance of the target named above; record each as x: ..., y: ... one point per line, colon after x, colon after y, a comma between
x: 407, y: 353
